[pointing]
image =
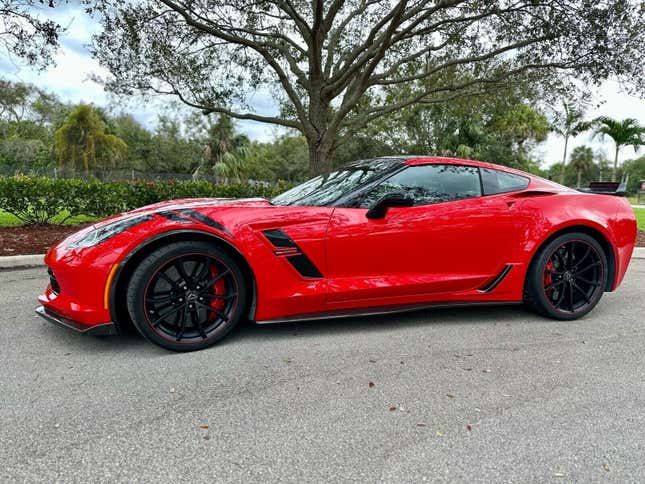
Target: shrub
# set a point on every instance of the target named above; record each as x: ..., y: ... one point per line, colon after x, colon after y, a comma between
x: 39, y: 200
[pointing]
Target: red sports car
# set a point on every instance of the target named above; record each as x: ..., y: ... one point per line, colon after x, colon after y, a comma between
x: 375, y: 236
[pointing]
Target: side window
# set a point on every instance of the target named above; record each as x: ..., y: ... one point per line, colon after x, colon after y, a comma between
x: 495, y: 181
x: 428, y: 184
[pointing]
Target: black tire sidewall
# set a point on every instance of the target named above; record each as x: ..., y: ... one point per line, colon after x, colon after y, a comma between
x: 145, y: 270
x: 535, y: 284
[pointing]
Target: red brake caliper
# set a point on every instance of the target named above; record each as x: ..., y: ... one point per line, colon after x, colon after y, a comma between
x: 548, y: 271
x: 218, y: 288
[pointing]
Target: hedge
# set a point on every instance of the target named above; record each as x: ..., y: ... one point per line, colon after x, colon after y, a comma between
x: 37, y: 200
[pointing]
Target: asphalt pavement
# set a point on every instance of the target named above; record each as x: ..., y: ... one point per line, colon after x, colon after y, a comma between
x: 470, y: 395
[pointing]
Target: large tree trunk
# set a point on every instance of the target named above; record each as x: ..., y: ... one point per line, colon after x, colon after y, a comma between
x: 579, y: 177
x: 564, y: 160
x: 320, y: 154
x: 613, y: 173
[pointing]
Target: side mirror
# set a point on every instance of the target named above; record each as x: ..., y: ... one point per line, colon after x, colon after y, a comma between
x: 387, y: 201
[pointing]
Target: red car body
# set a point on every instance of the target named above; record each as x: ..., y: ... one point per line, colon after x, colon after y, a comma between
x: 338, y: 262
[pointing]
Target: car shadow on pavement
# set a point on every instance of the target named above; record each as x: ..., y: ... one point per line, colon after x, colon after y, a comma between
x: 492, y: 315
x: 249, y: 333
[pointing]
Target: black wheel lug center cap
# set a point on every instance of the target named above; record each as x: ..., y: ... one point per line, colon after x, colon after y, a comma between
x: 191, y: 296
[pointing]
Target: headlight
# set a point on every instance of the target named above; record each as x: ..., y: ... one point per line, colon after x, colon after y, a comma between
x: 101, y: 234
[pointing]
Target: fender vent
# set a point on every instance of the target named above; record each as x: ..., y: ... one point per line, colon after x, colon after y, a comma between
x: 285, y: 246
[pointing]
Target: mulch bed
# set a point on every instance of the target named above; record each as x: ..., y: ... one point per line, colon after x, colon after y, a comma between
x: 640, y: 239
x: 23, y: 240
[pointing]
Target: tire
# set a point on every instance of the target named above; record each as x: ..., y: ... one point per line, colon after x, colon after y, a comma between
x: 186, y: 296
x: 567, y: 277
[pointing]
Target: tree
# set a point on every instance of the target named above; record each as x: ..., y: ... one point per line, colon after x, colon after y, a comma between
x: 225, y: 149
x: 568, y: 123
x: 624, y: 133
x: 581, y: 161
x: 322, y: 59
x: 24, y: 34
x: 82, y: 142
x: 501, y: 127
x: 636, y: 170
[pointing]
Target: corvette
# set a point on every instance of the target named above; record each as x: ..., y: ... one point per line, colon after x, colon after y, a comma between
x: 383, y: 235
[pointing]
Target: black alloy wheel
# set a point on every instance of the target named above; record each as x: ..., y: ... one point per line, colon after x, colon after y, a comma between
x: 186, y: 296
x: 568, y: 277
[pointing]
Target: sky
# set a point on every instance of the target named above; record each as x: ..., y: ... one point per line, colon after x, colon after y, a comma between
x: 69, y: 78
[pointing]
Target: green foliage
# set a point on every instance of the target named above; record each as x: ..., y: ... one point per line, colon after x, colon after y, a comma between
x: 636, y: 170
x: 582, y: 161
x: 640, y: 217
x: 39, y: 200
x: 624, y: 133
x: 501, y: 128
x: 82, y: 142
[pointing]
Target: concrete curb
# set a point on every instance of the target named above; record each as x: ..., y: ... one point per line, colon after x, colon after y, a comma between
x: 25, y: 261
x: 22, y: 261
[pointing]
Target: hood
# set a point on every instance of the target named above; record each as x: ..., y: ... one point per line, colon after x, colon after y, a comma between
x: 187, y: 203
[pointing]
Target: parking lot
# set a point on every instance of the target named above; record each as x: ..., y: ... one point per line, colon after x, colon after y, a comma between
x: 476, y: 395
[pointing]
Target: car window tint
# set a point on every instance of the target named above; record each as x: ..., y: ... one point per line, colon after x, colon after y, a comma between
x: 428, y: 184
x: 495, y: 181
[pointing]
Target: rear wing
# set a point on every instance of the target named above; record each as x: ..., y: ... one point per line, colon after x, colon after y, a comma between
x: 608, y: 188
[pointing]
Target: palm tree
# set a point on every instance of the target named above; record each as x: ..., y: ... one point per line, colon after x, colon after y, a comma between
x: 567, y: 124
x: 624, y: 133
x: 581, y: 161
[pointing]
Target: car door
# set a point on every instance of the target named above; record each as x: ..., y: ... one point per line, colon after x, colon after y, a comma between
x: 453, y: 239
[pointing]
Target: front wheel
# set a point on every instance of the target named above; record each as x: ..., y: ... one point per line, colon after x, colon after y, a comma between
x: 186, y: 296
x: 567, y: 278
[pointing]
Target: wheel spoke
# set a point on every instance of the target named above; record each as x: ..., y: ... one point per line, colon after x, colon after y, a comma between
x: 570, y: 255
x: 195, y: 319
x: 583, y: 258
x: 179, y: 265
x: 570, y: 286
x: 587, y: 281
x: 584, y: 294
x: 213, y: 310
x: 169, y: 280
x: 159, y: 299
x: 220, y: 296
x: 560, y: 298
x: 213, y: 280
x: 553, y: 285
x: 180, y: 318
x: 197, y: 269
x: 593, y: 264
x: 166, y: 314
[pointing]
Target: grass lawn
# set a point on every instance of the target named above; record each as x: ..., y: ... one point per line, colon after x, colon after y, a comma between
x: 640, y: 217
x: 7, y: 220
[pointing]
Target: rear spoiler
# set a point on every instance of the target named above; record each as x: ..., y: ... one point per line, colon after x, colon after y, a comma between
x: 618, y: 189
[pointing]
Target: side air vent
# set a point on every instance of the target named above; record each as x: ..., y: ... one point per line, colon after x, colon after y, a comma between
x: 304, y: 266
x: 497, y: 279
x: 286, y: 247
x: 279, y: 239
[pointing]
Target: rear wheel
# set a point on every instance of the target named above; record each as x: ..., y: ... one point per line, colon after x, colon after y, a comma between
x: 186, y: 296
x: 567, y: 278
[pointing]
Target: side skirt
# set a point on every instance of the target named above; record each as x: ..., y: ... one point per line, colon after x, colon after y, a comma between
x: 374, y: 311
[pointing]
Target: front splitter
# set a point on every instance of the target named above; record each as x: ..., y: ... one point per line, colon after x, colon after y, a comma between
x: 104, y: 329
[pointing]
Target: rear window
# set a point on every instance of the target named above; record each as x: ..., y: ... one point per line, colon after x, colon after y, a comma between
x: 495, y: 181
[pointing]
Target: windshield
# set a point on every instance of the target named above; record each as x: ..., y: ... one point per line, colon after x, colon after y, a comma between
x: 326, y: 189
